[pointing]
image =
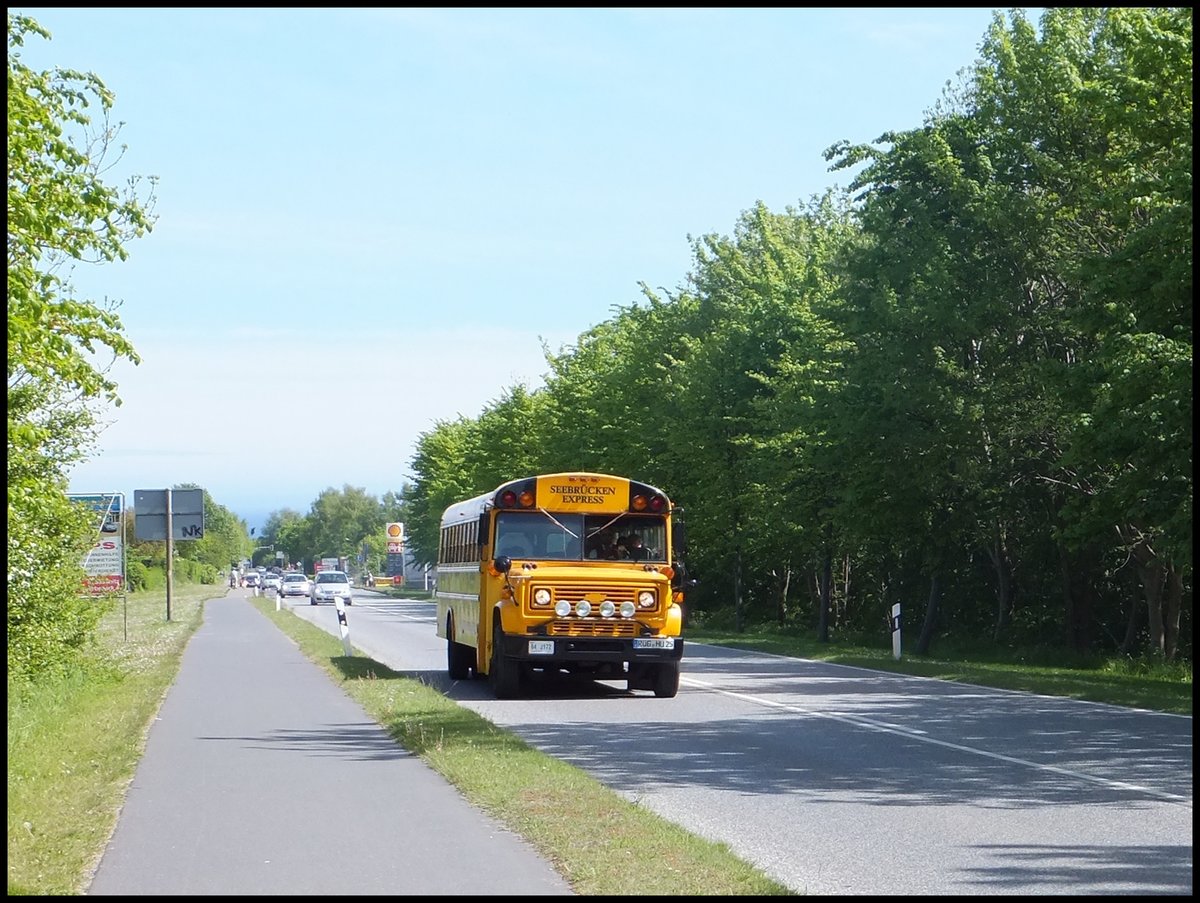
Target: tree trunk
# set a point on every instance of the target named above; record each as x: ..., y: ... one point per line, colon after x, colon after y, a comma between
x: 998, y: 553
x: 1131, y: 628
x: 1153, y: 576
x: 1171, y: 613
x: 782, y: 611
x: 1078, y: 598
x: 823, y: 598
x: 1158, y: 579
x: 739, y: 612
x: 931, y: 613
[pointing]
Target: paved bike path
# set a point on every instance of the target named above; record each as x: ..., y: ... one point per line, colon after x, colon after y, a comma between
x: 261, y: 776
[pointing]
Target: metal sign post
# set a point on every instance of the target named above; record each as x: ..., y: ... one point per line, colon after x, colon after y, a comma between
x: 168, y: 514
x: 170, y: 556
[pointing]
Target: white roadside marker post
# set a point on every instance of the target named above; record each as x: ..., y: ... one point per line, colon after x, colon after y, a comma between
x: 343, y: 626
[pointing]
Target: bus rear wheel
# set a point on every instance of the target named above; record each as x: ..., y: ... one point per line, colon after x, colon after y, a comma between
x: 505, y: 674
x: 459, y: 658
x: 666, y: 680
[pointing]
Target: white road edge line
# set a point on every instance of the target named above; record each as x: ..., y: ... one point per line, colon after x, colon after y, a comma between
x: 916, y: 735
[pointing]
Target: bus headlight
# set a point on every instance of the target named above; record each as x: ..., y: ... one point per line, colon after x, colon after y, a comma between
x: 646, y: 599
x: 627, y: 609
x: 541, y: 597
x: 583, y: 608
x: 607, y: 608
x: 563, y: 608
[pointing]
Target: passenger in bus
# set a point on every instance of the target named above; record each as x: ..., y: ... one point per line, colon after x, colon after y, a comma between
x: 513, y: 547
x: 603, y: 545
x: 635, y: 550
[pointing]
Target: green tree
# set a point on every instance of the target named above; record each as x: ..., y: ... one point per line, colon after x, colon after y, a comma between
x: 60, y: 213
x: 339, y: 520
x: 1021, y: 321
x: 439, y: 480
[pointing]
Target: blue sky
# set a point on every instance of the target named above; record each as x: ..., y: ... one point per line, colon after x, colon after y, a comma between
x: 370, y: 220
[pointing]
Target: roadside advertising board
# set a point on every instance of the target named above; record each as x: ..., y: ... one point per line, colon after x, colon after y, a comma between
x: 104, y: 563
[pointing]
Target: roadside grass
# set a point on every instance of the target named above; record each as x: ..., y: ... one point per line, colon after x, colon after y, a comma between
x: 602, y: 843
x: 1142, y: 683
x: 73, y: 744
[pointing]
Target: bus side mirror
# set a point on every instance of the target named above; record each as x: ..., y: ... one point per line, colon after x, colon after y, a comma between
x: 679, y: 537
x: 679, y: 581
x: 502, y: 564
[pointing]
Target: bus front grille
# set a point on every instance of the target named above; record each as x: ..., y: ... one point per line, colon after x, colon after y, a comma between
x: 578, y: 591
x: 606, y: 627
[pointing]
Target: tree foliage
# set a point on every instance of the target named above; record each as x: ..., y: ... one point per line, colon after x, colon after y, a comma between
x: 964, y: 385
x: 60, y: 214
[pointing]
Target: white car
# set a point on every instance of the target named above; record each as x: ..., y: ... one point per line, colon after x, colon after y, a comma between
x: 331, y: 585
x: 295, y: 584
x: 271, y: 581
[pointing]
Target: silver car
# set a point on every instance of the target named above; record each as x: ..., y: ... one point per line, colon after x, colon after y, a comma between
x: 331, y: 585
x: 271, y: 581
x: 295, y: 584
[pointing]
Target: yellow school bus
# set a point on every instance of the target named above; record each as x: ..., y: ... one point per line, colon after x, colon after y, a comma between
x: 563, y: 575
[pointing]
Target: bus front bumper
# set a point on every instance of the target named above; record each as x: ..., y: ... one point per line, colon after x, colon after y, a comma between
x: 581, y: 650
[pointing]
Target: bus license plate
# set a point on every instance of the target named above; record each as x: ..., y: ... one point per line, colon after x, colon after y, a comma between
x: 541, y: 647
x: 655, y: 642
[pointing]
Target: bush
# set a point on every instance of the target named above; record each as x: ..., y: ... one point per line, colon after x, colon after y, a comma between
x: 135, y: 576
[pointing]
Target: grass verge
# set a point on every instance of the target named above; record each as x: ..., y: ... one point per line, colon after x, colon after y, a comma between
x: 74, y: 743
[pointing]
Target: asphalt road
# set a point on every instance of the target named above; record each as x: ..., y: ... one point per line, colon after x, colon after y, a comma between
x: 260, y: 776
x: 839, y: 780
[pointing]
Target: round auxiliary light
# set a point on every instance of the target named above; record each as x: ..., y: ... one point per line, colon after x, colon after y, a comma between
x: 645, y: 599
x: 541, y: 597
x: 526, y: 499
x: 627, y: 609
x: 638, y: 503
x: 583, y: 608
x: 607, y: 608
x: 563, y: 608
x: 508, y: 498
x: 656, y: 503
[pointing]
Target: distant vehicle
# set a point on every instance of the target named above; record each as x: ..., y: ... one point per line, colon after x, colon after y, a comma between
x: 252, y: 579
x: 271, y: 581
x: 329, y: 586
x: 295, y: 584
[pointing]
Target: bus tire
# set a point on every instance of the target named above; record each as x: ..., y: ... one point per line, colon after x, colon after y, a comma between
x: 666, y: 680
x: 459, y: 658
x: 504, y: 673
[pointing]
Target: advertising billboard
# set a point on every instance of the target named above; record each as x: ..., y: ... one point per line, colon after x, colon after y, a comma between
x: 104, y: 563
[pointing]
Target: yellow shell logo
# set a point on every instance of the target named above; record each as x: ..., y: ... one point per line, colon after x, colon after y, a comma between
x: 395, y: 531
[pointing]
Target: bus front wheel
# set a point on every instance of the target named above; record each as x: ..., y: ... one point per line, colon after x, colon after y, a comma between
x: 504, y: 673
x: 666, y: 680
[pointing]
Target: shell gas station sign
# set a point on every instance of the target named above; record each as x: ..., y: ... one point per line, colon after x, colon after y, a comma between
x: 395, y: 538
x: 395, y: 552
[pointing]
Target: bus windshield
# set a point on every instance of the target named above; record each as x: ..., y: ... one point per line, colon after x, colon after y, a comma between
x: 579, y: 537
